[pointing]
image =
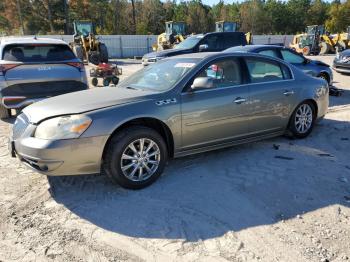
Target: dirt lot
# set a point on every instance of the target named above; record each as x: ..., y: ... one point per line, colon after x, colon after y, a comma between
x: 275, y: 200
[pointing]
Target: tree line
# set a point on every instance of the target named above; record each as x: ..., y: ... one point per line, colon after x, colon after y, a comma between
x: 149, y: 16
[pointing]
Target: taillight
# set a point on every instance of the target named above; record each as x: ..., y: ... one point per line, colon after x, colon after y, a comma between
x: 78, y: 65
x: 6, y: 67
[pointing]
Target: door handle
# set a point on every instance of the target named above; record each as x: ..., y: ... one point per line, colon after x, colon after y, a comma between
x: 240, y: 100
x: 288, y: 93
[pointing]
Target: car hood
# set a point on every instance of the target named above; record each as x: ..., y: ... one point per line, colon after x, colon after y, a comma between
x: 83, y: 101
x: 319, y: 63
x: 167, y: 52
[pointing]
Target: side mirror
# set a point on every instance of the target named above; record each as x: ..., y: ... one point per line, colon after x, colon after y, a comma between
x: 202, y: 83
x: 203, y: 47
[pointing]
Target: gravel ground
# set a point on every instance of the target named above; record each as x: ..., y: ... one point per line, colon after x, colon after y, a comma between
x: 275, y: 200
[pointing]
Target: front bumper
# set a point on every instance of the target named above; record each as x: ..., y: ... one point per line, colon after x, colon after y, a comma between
x: 341, y: 67
x: 60, y: 157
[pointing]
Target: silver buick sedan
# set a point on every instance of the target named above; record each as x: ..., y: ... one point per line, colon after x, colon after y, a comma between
x: 179, y: 106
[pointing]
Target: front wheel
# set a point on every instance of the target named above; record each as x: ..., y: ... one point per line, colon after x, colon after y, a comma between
x: 135, y: 157
x: 302, y: 120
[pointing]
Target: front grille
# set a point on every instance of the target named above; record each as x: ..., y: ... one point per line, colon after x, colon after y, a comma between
x: 20, y: 126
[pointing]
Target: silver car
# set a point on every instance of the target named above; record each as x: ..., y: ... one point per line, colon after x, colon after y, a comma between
x: 32, y: 69
x: 175, y: 107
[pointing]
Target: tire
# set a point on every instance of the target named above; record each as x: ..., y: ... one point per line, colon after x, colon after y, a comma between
x: 295, y: 128
x: 94, y: 57
x: 4, y: 112
x: 106, y: 82
x: 115, y: 80
x: 119, y: 146
x: 78, y: 51
x: 341, y: 46
x: 324, y: 48
x: 103, y: 53
x: 94, y: 81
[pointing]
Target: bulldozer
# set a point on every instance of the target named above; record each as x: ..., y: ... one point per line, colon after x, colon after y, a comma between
x: 86, y: 46
x: 174, y: 33
x: 226, y: 26
x: 317, y: 41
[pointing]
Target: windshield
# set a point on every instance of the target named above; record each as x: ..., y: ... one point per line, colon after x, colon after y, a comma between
x: 160, y: 76
x: 189, y: 42
x: 84, y: 29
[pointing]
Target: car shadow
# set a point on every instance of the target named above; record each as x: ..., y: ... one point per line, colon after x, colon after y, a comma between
x: 342, y: 99
x: 208, y: 195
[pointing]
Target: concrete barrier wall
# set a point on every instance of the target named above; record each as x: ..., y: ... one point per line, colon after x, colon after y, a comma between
x: 126, y: 46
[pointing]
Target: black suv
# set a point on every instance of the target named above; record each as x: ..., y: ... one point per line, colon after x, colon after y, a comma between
x: 210, y: 42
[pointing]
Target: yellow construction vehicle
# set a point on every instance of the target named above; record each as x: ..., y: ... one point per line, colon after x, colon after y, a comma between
x: 86, y: 46
x: 226, y: 26
x: 296, y: 43
x: 174, y: 34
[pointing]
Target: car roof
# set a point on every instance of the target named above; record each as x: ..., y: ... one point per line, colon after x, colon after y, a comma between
x: 30, y: 40
x: 249, y: 48
x: 204, y: 55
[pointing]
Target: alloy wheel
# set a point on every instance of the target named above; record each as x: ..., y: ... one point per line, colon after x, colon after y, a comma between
x: 140, y: 159
x: 303, y: 118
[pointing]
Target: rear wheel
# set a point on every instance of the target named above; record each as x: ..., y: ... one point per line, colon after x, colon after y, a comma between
x: 324, y: 48
x: 302, y: 120
x: 135, y: 157
x: 4, y: 112
x: 115, y: 80
x: 103, y: 53
x: 94, y: 81
x: 106, y: 81
x: 94, y: 57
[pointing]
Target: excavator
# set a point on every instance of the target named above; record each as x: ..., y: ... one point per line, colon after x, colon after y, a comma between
x: 174, y: 33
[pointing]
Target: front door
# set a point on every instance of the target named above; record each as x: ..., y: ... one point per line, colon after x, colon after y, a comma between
x: 218, y: 114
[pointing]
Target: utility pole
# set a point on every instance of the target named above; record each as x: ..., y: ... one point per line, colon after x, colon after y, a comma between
x: 20, y: 16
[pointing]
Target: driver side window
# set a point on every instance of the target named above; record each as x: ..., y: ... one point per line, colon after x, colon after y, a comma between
x: 292, y: 58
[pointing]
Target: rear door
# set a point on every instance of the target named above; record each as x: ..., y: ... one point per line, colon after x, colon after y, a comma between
x: 271, y: 92
x: 41, y: 70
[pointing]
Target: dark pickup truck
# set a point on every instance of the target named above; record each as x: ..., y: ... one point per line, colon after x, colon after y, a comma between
x: 210, y: 42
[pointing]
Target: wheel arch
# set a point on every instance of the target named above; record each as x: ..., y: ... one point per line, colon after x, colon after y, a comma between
x: 150, y: 122
x: 326, y: 74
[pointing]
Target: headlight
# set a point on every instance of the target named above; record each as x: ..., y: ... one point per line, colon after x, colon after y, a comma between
x: 64, y: 127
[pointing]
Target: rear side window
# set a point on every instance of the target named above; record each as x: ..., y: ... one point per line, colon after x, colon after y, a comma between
x: 234, y: 40
x: 263, y: 71
x: 292, y: 58
x: 271, y: 53
x: 214, y: 43
x: 37, y: 53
